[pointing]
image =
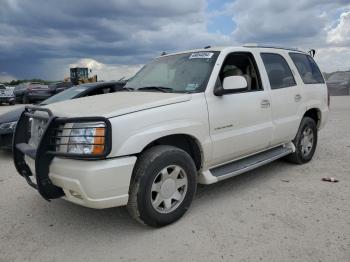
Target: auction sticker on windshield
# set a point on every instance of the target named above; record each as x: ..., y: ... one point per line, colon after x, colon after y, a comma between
x: 203, y: 55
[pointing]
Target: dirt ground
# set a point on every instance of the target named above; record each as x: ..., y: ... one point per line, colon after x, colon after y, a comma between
x: 257, y: 216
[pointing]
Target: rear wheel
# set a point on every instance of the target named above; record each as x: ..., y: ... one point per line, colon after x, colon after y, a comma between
x: 163, y: 186
x: 305, y: 142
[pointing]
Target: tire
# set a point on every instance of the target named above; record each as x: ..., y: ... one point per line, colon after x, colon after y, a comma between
x: 12, y: 103
x: 25, y: 100
x: 149, y: 186
x: 303, y: 153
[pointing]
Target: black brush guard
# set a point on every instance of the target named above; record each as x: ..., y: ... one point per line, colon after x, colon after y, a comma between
x: 39, y: 154
x: 46, y: 149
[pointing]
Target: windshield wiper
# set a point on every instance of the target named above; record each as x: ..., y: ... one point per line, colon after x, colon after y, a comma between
x: 157, y: 88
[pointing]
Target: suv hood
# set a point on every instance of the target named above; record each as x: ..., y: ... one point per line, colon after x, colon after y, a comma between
x: 115, y: 104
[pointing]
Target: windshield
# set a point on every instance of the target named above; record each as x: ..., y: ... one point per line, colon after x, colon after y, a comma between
x: 70, y: 93
x: 183, y: 73
x: 339, y: 77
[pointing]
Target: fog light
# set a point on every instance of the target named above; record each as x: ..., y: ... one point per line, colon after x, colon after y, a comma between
x: 76, y: 194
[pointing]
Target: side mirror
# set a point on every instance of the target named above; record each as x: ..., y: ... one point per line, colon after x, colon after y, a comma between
x: 232, y: 84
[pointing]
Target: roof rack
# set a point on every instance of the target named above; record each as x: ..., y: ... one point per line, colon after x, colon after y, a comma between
x: 268, y: 46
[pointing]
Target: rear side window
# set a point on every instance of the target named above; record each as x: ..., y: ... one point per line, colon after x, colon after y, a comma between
x: 278, y: 71
x: 307, y: 68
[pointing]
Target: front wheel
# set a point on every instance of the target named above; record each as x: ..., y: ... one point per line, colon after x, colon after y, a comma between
x: 305, y: 142
x: 163, y: 186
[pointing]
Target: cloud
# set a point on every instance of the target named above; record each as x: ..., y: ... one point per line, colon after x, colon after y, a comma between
x: 285, y: 22
x: 5, y: 77
x: 115, y: 32
x: 303, y: 24
x: 43, y: 38
x: 340, y: 35
x: 333, y: 58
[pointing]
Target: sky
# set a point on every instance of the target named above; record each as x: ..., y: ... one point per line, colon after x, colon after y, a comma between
x: 114, y: 38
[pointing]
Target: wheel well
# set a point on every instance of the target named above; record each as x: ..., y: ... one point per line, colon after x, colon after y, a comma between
x: 315, y: 114
x: 185, y: 142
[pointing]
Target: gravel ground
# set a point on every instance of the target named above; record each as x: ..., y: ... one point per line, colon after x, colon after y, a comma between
x: 258, y: 216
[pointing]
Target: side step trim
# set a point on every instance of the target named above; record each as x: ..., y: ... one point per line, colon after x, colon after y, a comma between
x: 246, y: 164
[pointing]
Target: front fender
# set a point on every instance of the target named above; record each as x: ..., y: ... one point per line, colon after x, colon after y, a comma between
x: 133, y: 132
x: 137, y: 142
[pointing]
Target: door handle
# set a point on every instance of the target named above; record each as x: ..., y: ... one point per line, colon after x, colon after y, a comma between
x: 265, y: 103
x: 297, y: 98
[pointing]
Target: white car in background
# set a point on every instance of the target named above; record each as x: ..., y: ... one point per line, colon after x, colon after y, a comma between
x: 6, y: 95
x: 198, y: 116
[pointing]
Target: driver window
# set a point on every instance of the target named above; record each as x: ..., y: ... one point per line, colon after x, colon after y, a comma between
x: 241, y: 64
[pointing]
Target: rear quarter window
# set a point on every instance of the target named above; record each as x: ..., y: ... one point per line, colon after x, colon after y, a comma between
x: 307, y: 68
x: 278, y: 71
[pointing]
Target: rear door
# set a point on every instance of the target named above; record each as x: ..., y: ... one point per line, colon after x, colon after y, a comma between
x: 286, y: 97
x: 315, y: 93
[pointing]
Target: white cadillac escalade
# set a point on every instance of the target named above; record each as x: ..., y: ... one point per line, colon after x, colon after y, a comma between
x: 197, y: 116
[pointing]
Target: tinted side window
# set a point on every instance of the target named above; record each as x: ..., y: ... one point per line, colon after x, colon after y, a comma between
x: 278, y: 71
x: 307, y: 68
x: 241, y: 64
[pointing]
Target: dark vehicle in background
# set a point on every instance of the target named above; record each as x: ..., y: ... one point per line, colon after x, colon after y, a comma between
x: 58, y: 87
x: 9, y: 120
x: 31, y: 92
x: 339, y: 83
x: 6, y: 95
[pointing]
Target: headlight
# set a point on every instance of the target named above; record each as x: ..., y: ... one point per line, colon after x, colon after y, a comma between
x: 8, y: 125
x: 88, y: 138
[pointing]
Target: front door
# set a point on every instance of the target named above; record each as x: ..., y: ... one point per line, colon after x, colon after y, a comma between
x: 240, y: 123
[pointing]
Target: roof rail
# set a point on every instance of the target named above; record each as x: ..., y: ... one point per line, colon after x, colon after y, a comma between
x: 268, y: 46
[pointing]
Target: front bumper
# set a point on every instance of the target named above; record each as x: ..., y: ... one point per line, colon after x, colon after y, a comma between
x: 95, y: 183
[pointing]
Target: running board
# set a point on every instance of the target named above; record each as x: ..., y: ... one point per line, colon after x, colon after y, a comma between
x: 251, y: 162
